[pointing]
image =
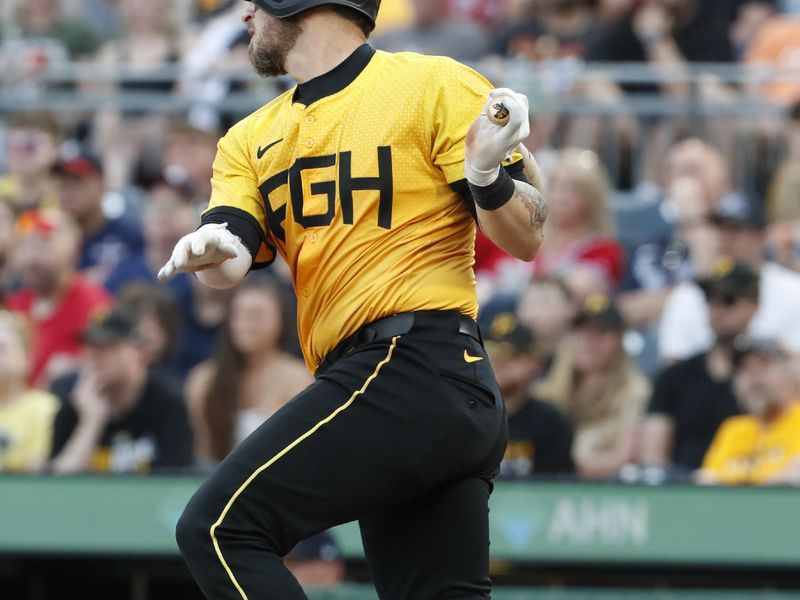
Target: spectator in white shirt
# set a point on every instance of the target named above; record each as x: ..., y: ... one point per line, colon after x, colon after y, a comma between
x: 685, y: 329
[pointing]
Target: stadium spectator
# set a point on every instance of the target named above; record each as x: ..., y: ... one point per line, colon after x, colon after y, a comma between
x: 580, y: 233
x: 763, y: 446
x: 31, y: 150
x: 488, y: 13
x: 115, y: 416
x: 106, y: 242
x: 148, y: 43
x: 157, y: 325
x: 250, y: 376
x: 144, y: 56
x: 783, y: 212
x: 666, y: 236
x: 539, y: 436
x: 692, y: 397
x: 667, y: 34
x: 433, y: 33
x: 316, y: 562
x: 547, y: 306
x: 685, y: 329
x: 7, y: 221
x: 168, y: 215
x: 56, y: 299
x: 212, y: 64
x: 48, y: 32
x: 549, y: 29
x: 26, y: 415
x: 776, y: 45
x: 599, y: 388
x: 188, y: 157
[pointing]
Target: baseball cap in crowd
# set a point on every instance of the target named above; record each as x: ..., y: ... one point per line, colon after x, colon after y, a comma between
x: 738, y: 210
x: 599, y: 310
x: 321, y: 546
x: 110, y: 328
x: 730, y: 281
x: 79, y: 166
x: 508, y: 337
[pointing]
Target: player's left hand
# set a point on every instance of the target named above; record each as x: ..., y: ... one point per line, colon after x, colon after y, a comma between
x: 488, y: 143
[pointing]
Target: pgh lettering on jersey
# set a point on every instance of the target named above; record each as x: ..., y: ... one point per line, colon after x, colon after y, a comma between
x: 354, y: 191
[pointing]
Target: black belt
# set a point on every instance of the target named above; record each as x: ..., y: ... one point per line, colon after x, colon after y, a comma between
x: 401, y: 324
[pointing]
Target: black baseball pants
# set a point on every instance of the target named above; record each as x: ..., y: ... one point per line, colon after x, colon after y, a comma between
x: 402, y: 434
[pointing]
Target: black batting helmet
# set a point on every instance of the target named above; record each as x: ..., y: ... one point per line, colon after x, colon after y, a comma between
x: 288, y: 8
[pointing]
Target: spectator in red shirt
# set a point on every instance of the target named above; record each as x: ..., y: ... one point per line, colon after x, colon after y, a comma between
x: 580, y: 245
x: 58, y: 302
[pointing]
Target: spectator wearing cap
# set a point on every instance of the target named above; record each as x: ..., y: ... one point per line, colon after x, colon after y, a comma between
x: 26, y: 414
x: 685, y: 330
x: 316, y: 562
x: 107, y: 242
x: 31, y: 150
x: 599, y: 388
x: 762, y: 446
x: 57, y: 300
x: 539, y: 436
x: 115, y: 416
x: 694, y: 396
x: 547, y: 306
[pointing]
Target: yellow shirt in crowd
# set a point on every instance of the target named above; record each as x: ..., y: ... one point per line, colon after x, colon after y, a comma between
x: 746, y: 451
x: 26, y: 430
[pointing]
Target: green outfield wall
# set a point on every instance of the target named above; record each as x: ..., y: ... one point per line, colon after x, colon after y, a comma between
x: 531, y: 522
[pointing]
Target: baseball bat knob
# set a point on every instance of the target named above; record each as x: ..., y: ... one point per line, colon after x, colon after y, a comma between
x: 499, y: 113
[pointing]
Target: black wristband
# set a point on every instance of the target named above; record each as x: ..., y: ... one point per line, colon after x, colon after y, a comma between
x: 496, y: 194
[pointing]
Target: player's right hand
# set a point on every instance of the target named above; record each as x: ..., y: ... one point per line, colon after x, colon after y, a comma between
x: 206, y: 248
x: 488, y: 144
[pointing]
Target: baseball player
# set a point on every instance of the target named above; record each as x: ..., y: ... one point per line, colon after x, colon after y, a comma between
x: 367, y: 178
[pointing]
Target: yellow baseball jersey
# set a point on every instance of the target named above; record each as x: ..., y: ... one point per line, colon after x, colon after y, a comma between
x: 745, y: 451
x: 348, y: 178
x: 26, y: 430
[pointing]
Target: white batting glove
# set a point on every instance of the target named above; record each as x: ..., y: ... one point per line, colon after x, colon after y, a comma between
x: 489, y: 144
x: 206, y: 248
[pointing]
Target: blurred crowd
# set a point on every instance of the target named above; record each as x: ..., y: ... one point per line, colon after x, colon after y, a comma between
x: 655, y: 338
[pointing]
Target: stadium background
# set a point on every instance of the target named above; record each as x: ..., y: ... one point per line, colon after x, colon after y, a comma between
x: 657, y: 118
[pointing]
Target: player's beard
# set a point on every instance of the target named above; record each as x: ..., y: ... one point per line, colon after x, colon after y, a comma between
x: 268, y: 51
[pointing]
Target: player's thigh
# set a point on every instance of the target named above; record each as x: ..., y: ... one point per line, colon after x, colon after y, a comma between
x: 432, y: 547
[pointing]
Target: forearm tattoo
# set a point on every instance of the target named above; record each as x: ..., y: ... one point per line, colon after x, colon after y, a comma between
x: 534, y: 202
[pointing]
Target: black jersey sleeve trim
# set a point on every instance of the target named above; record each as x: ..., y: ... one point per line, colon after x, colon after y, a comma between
x: 243, y: 225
